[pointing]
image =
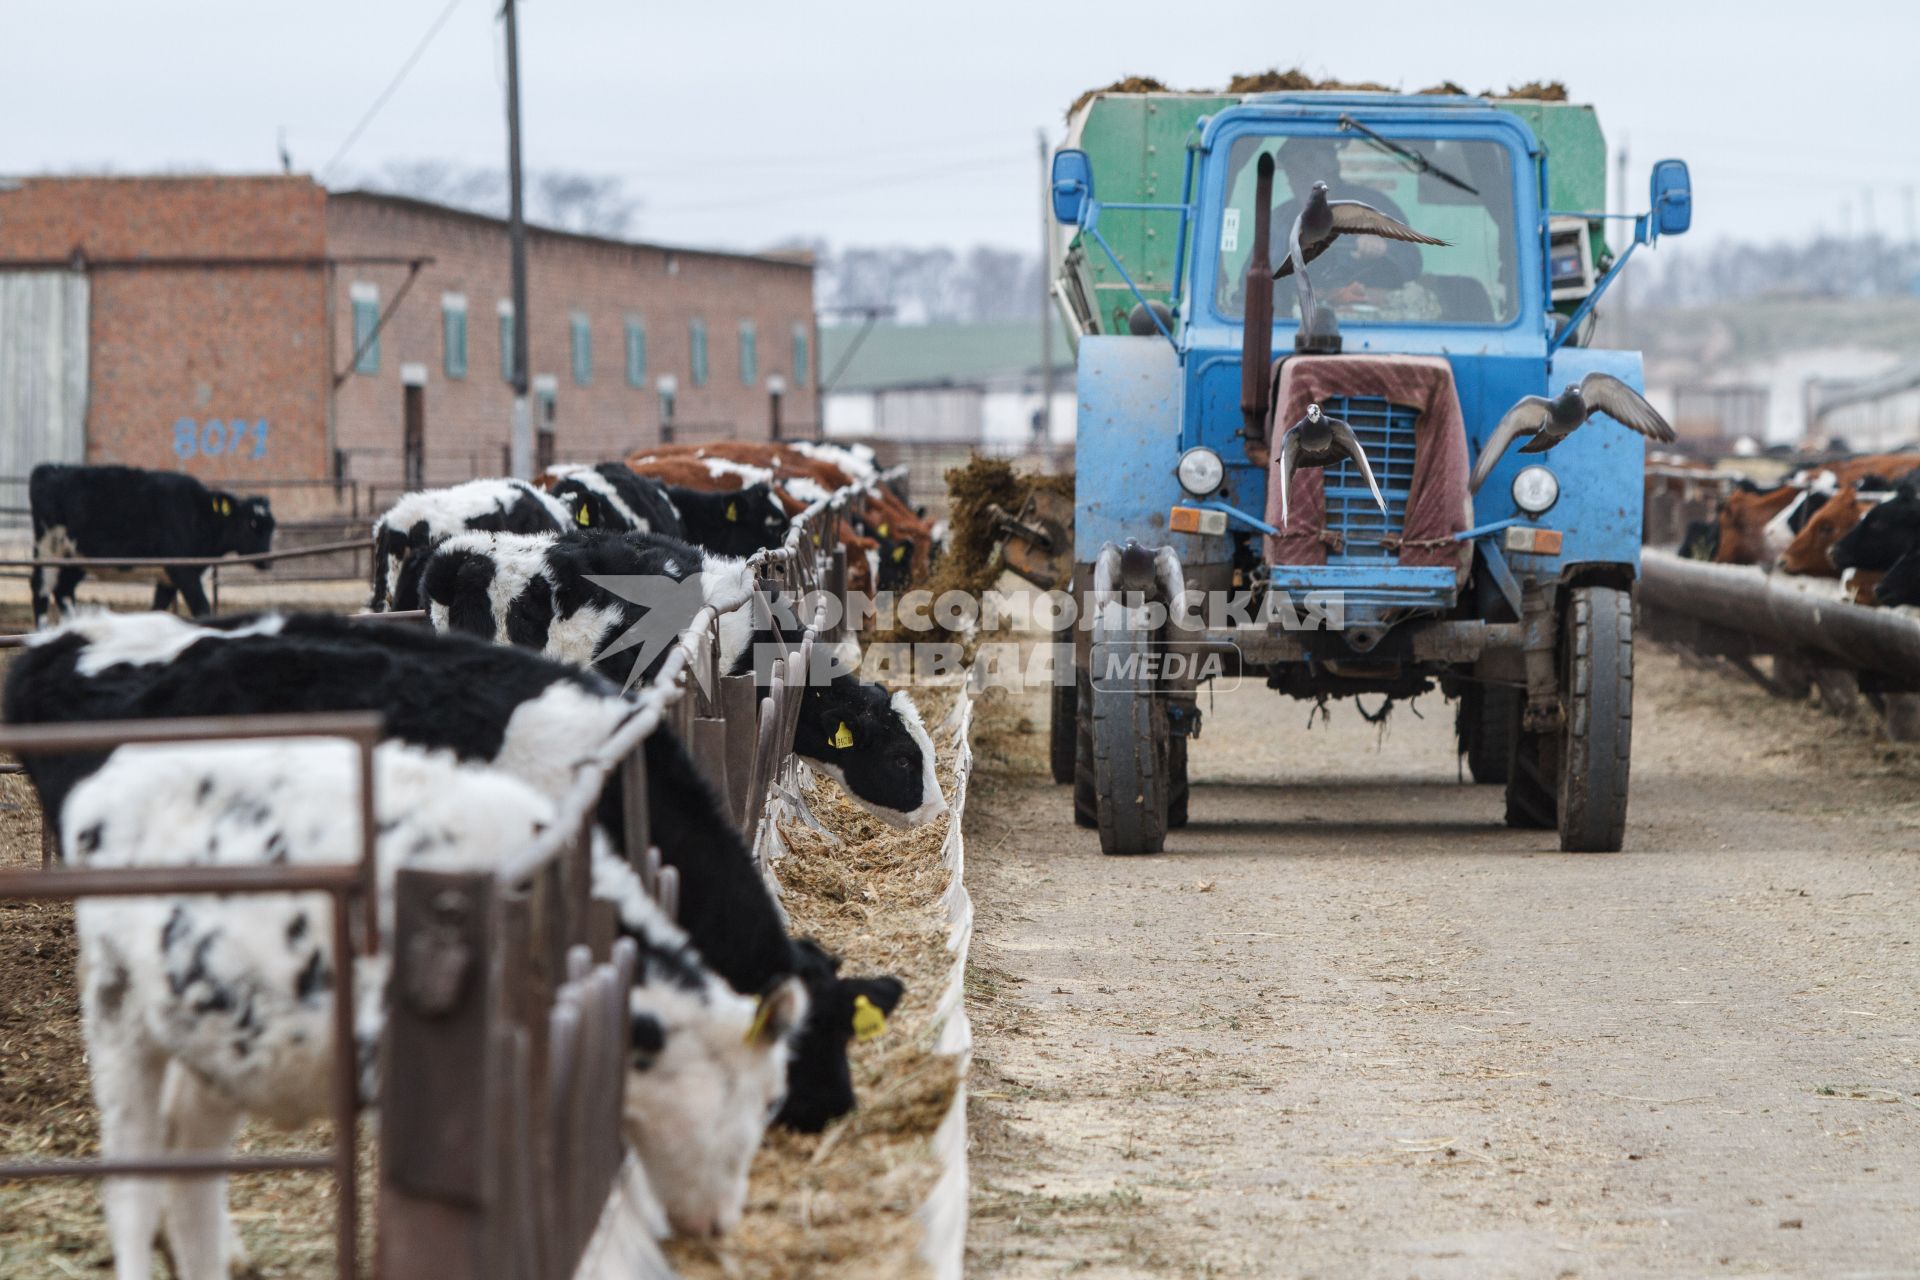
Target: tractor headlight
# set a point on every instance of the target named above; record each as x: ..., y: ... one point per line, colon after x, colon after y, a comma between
x: 1200, y: 471
x: 1535, y: 489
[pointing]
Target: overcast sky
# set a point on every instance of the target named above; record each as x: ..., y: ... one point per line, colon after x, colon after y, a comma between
x: 745, y: 124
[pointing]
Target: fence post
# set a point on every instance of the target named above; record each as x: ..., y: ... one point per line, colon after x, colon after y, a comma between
x: 708, y: 745
x: 738, y: 699
x: 436, y: 1138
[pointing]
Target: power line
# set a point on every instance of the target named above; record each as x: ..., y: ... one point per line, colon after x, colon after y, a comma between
x: 392, y: 85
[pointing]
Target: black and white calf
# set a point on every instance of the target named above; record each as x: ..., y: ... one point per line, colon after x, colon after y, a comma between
x: 611, y: 496
x: 124, y: 511
x: 202, y: 1010
x: 538, y: 593
x: 422, y: 520
x: 531, y: 718
x: 738, y: 523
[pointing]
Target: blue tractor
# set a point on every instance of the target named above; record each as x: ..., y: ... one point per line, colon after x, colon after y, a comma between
x: 1516, y: 599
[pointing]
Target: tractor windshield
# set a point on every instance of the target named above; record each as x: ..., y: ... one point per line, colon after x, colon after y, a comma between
x: 1368, y: 279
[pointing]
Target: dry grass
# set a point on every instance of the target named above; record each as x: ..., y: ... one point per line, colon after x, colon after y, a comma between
x: 841, y: 1204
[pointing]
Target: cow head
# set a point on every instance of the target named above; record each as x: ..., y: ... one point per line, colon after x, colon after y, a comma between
x: 1807, y: 553
x: 819, y: 1079
x: 874, y: 745
x: 593, y: 506
x: 1743, y: 523
x: 751, y: 520
x: 243, y: 526
x: 708, y: 1069
x: 1900, y: 584
x: 1883, y: 535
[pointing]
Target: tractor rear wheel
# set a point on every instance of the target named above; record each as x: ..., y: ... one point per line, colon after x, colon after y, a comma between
x: 1086, y: 807
x: 1176, y: 782
x: 1062, y: 724
x: 1597, y: 744
x: 1533, y: 801
x: 1130, y: 743
x: 1484, y: 725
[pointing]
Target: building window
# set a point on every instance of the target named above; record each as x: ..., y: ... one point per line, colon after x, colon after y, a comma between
x: 799, y: 355
x: 636, y: 352
x: 582, y: 349
x: 506, y: 341
x: 749, y: 354
x: 697, y: 352
x: 366, y: 326
x: 453, y: 335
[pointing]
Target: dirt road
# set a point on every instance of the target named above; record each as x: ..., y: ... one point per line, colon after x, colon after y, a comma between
x: 1348, y: 1025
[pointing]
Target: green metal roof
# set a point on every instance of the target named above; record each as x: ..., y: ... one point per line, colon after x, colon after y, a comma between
x: 932, y: 355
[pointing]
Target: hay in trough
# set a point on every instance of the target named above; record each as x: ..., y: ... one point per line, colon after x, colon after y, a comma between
x: 842, y: 1203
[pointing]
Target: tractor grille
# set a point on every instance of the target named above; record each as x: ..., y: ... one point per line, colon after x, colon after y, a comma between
x: 1386, y: 431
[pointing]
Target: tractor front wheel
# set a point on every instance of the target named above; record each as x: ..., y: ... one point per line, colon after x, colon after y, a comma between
x: 1597, y: 744
x: 1131, y: 742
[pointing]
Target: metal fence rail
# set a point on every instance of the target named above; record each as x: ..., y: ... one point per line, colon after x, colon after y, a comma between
x: 343, y: 882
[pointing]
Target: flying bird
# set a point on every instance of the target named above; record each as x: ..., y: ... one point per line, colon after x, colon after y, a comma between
x: 1551, y: 421
x: 1322, y: 221
x: 1320, y: 441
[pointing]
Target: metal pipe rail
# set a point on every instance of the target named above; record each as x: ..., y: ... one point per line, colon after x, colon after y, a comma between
x: 342, y: 882
x: 103, y: 563
x: 1743, y: 599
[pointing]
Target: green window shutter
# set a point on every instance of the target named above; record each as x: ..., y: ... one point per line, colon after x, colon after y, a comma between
x: 636, y: 353
x: 749, y: 354
x: 453, y: 336
x: 366, y: 319
x: 582, y: 350
x: 799, y: 355
x: 697, y: 343
x: 506, y: 346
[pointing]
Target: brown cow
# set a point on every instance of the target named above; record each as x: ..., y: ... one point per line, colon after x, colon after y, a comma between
x: 1743, y: 523
x: 1888, y: 466
x: 1807, y: 553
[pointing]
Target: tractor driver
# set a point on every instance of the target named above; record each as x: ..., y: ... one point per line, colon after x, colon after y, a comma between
x: 1371, y: 271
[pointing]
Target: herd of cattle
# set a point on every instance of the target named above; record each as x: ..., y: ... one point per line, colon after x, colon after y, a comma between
x: 1855, y: 519
x: 199, y: 1011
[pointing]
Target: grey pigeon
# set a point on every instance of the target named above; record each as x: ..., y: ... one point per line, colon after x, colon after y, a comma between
x: 1321, y: 221
x: 1320, y: 441
x: 1551, y: 421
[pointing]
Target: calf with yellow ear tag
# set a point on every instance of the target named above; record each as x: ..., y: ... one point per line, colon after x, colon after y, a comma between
x: 871, y: 742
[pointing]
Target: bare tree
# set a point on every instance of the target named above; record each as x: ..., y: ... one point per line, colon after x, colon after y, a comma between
x: 556, y: 198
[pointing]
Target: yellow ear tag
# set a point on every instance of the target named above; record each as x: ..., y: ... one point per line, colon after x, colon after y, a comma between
x: 733, y: 511
x: 884, y: 533
x: 224, y: 507
x: 582, y: 517
x: 758, y: 1027
x: 843, y: 736
x: 899, y: 554
x: 868, y: 1022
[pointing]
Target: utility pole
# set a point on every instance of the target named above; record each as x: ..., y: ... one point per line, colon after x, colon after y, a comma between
x: 1045, y: 432
x: 520, y: 442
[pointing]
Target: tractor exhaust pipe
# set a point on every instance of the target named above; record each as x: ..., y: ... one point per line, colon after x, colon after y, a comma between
x: 1256, y: 344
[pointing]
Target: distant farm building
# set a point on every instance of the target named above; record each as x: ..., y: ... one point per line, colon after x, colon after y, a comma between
x: 973, y: 385
x: 265, y: 334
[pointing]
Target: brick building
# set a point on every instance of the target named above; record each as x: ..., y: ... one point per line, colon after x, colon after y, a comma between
x: 211, y: 324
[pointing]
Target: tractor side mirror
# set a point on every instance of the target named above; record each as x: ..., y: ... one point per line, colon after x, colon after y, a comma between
x: 1072, y: 186
x: 1672, y: 196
